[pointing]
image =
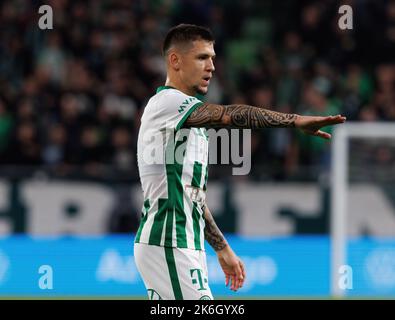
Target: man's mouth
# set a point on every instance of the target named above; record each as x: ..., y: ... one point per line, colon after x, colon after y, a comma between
x: 206, y: 80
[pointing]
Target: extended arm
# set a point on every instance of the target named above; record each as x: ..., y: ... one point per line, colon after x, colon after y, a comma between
x: 244, y: 116
x: 231, y: 265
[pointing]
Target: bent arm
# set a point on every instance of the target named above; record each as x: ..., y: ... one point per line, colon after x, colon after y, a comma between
x: 212, y: 233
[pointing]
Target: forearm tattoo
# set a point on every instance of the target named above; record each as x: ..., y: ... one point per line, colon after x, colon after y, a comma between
x: 238, y: 116
x: 212, y: 233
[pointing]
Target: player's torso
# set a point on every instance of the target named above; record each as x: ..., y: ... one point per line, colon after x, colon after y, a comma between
x: 173, y: 168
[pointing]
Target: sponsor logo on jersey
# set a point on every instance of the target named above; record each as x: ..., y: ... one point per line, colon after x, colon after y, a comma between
x: 183, y: 106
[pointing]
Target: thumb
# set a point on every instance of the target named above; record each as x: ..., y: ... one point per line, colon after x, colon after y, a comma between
x: 323, y: 134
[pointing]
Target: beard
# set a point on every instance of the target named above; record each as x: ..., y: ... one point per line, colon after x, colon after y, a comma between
x: 199, y: 91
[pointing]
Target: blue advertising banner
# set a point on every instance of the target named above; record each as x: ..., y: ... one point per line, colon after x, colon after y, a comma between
x: 104, y: 266
x: 372, y: 262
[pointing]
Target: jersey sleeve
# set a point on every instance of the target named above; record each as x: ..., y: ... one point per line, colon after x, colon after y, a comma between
x: 176, y: 107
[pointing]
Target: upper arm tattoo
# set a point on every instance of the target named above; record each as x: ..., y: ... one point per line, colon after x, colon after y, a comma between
x: 212, y: 233
x: 238, y: 116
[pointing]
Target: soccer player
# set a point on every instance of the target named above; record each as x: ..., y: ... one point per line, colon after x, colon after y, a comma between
x: 169, y: 245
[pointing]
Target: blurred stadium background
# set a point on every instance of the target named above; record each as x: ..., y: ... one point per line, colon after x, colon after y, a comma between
x: 70, y: 103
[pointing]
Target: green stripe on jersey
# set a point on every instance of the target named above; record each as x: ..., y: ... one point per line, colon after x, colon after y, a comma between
x: 169, y: 228
x: 196, y: 181
x: 143, y: 220
x: 159, y: 220
x: 196, y: 226
x: 171, y: 264
x: 181, y: 219
x: 205, y: 178
x: 176, y: 197
x: 197, y: 175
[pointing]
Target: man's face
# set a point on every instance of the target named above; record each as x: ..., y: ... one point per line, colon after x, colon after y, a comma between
x: 197, y: 66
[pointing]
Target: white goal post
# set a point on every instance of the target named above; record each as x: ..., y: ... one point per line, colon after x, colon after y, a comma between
x: 339, y: 181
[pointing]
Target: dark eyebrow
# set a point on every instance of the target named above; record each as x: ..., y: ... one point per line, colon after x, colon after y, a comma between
x: 205, y: 55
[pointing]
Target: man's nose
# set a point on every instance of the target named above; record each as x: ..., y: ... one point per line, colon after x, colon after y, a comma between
x: 210, y: 66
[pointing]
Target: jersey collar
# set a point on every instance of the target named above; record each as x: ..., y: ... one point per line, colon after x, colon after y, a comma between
x: 159, y: 89
x: 163, y: 88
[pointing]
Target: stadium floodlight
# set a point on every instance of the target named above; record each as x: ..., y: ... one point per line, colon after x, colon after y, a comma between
x: 339, y: 186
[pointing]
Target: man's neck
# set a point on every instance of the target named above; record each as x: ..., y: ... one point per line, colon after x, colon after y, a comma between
x: 182, y: 88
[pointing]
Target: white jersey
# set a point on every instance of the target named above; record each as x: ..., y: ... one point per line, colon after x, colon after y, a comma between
x: 173, y: 172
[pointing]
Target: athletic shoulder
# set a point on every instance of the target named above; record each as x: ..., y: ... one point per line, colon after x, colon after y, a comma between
x: 173, y: 97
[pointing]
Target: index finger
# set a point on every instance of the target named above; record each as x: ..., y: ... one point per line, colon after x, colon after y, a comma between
x: 332, y: 120
x: 243, y: 273
x: 239, y: 277
x: 243, y: 269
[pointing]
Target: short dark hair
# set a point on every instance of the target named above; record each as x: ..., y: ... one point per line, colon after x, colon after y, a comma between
x: 186, y: 33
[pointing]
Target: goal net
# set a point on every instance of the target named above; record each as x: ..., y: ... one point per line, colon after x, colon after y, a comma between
x: 363, y: 210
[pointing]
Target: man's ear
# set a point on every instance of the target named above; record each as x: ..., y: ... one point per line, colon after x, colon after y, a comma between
x: 174, y: 60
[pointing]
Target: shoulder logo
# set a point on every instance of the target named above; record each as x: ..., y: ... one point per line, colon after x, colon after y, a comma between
x: 185, y: 104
